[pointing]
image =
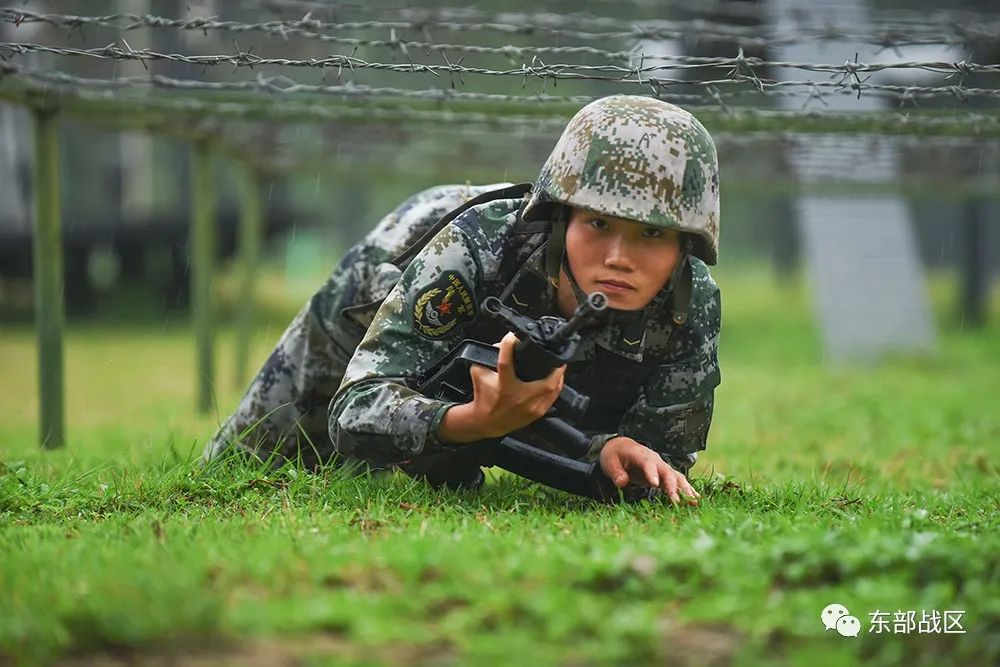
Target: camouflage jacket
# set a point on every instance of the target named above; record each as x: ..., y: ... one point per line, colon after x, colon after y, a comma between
x: 651, y: 375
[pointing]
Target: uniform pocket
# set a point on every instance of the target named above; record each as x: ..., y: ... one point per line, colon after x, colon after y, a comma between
x: 672, y: 386
x: 674, y: 411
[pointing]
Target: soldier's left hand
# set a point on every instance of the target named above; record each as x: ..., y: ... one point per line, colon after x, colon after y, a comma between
x: 625, y: 460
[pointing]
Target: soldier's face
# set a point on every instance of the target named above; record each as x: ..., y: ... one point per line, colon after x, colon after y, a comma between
x: 628, y: 261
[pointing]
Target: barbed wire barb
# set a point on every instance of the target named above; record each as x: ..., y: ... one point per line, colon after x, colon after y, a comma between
x: 814, y: 94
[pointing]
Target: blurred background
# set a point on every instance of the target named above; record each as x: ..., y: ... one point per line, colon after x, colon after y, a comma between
x: 865, y: 203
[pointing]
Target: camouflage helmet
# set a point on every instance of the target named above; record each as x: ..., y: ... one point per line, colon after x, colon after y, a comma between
x: 639, y: 158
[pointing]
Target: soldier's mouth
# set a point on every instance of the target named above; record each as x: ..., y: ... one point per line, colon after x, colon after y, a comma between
x: 616, y: 286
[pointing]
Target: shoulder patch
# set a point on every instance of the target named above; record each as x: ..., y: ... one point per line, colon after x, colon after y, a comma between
x: 443, y: 305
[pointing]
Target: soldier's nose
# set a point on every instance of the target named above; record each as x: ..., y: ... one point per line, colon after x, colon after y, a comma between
x: 617, y: 257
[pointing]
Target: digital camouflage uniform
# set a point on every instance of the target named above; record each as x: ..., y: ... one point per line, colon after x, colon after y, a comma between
x: 651, y: 374
x: 284, y: 411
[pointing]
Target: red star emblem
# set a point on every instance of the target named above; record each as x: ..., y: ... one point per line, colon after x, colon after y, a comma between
x: 444, y: 308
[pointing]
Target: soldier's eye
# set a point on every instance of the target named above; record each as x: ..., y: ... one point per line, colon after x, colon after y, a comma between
x: 597, y: 223
x: 652, y: 233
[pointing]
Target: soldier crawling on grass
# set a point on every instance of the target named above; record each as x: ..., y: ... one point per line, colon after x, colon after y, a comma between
x: 626, y: 204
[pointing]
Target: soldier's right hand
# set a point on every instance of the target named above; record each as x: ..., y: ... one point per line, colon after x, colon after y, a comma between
x: 501, y: 403
x: 505, y: 403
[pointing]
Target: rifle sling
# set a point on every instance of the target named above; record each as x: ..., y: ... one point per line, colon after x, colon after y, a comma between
x: 510, y: 192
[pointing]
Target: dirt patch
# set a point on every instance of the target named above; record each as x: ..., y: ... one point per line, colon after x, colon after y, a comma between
x: 700, y: 644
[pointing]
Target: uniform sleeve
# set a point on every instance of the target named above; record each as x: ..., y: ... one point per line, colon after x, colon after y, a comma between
x: 673, y: 410
x: 377, y: 414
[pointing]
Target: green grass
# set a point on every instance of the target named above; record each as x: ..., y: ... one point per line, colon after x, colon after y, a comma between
x: 873, y: 487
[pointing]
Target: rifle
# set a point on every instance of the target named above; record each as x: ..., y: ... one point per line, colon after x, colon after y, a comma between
x: 544, y: 345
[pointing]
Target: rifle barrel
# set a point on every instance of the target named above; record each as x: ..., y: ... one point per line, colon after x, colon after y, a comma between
x: 596, y: 303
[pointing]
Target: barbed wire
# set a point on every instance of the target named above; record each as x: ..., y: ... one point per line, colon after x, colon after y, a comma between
x: 798, y: 15
x: 282, y: 85
x: 741, y: 67
x: 721, y: 10
x: 731, y: 8
x: 701, y: 30
x: 284, y: 29
x: 734, y: 77
x: 115, y: 101
x: 191, y: 110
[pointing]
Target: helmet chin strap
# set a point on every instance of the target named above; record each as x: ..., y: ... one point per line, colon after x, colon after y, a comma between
x: 556, y: 250
x: 678, y: 285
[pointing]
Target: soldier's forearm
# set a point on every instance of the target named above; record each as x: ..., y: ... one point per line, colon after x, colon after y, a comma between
x: 460, y: 425
x: 384, y: 422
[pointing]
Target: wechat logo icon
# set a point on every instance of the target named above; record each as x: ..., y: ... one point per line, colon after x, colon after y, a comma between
x: 837, y: 617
